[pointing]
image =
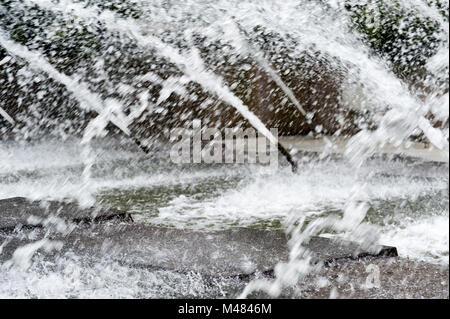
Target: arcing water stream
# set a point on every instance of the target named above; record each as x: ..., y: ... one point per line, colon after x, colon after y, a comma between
x: 149, y: 67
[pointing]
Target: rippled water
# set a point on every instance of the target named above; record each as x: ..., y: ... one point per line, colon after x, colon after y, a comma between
x: 408, y: 198
x: 153, y: 57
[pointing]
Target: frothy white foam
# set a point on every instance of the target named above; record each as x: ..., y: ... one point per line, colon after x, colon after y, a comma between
x: 425, y: 239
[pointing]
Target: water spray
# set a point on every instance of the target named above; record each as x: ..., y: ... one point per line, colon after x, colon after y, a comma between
x: 6, y: 116
x: 79, y: 90
x: 192, y: 64
x: 262, y: 61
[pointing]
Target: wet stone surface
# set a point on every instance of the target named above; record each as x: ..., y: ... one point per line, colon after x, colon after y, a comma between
x: 223, y: 261
x: 372, y: 278
x: 213, y: 260
x: 234, y: 252
x: 20, y: 212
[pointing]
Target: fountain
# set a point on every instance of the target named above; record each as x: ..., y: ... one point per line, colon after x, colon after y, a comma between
x: 362, y: 120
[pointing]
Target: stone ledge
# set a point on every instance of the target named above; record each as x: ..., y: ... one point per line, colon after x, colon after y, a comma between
x: 238, y: 252
x: 19, y: 212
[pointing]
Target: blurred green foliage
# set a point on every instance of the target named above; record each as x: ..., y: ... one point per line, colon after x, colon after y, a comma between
x: 64, y: 40
x: 396, y: 31
x: 399, y: 32
x: 126, y: 9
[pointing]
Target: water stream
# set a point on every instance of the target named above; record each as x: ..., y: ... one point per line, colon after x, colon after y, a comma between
x: 148, y: 67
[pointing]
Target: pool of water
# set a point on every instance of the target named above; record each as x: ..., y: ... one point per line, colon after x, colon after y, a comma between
x: 408, y: 199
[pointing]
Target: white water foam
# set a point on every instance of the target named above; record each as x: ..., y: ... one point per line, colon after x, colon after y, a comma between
x: 315, y: 191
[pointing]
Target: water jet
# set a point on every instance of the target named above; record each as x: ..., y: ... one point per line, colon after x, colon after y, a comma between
x: 360, y: 105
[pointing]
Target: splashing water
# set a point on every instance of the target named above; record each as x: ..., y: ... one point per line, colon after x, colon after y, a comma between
x: 150, y: 67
